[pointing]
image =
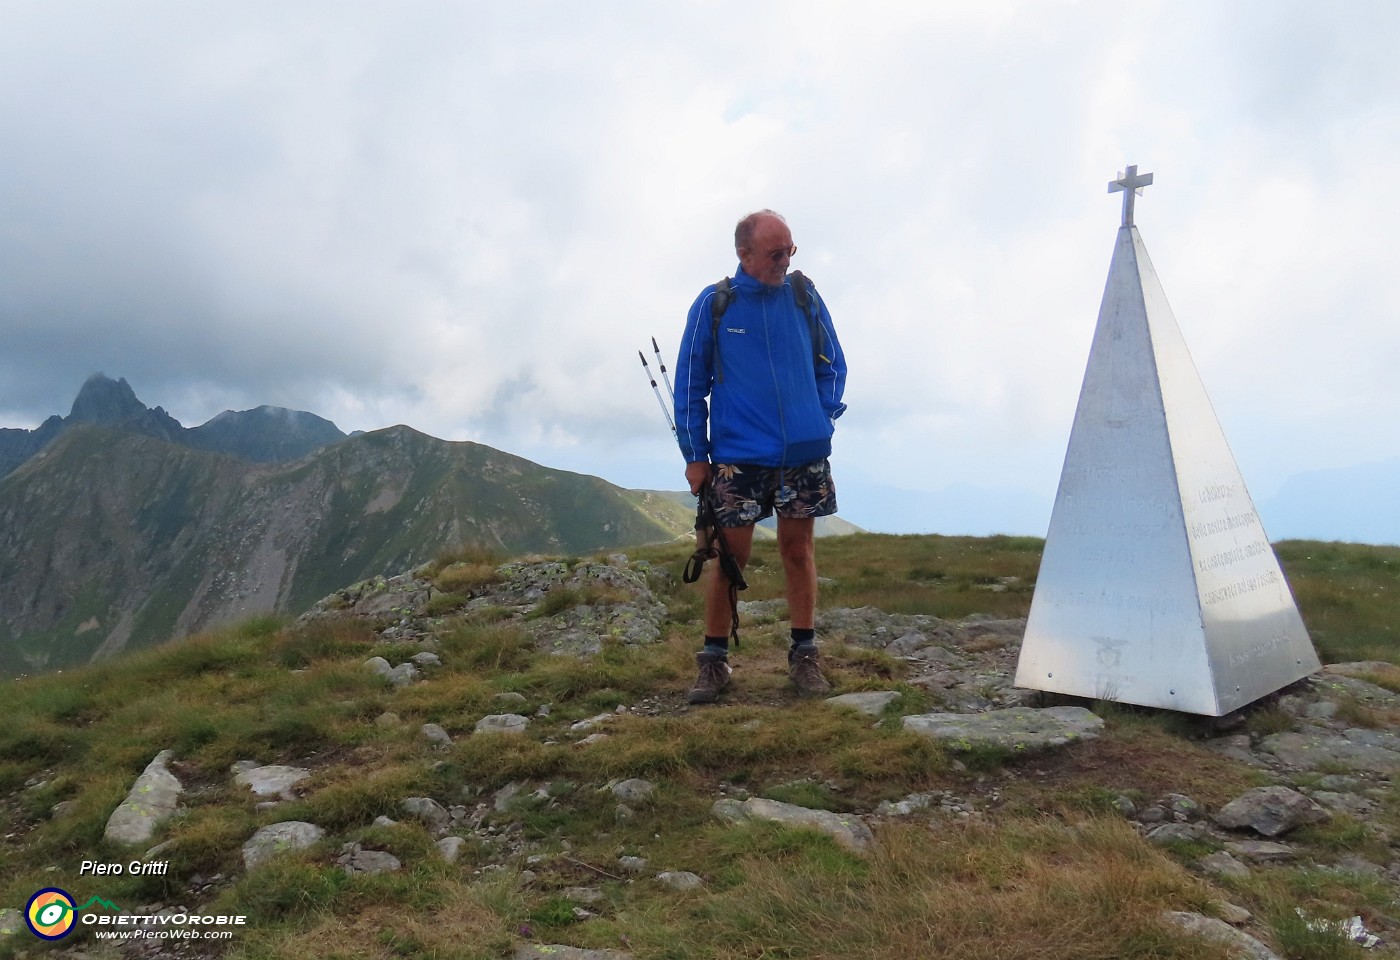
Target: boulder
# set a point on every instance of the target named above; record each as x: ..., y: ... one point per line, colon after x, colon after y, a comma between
x: 151, y: 802
x: 1020, y: 729
x: 1270, y: 811
x: 279, y: 838
x: 848, y: 831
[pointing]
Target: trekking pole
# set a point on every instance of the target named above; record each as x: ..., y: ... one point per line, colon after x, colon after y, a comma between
x: 670, y: 391
x: 665, y: 410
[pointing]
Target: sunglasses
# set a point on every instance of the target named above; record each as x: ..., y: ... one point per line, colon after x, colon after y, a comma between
x: 777, y: 255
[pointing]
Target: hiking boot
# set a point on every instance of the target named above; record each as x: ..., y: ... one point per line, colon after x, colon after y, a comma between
x: 805, y: 672
x: 713, y: 679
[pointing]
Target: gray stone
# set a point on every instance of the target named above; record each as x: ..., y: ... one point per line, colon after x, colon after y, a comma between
x: 11, y: 923
x: 1262, y: 851
x: 1124, y: 805
x: 510, y: 697
x: 556, y: 951
x: 1021, y: 729
x: 428, y: 812
x: 383, y: 821
x: 451, y: 848
x: 902, y: 808
x: 1182, y: 807
x: 356, y: 859
x: 1362, y: 751
x: 681, y: 881
x: 1234, y: 914
x: 871, y: 702
x: 634, y: 790
x: 152, y: 801
x: 1176, y: 833
x: 1221, y: 864
x: 402, y: 675
x: 379, y: 665
x: 273, y: 780
x: 278, y: 838
x: 437, y: 735
x: 1348, y: 803
x: 583, y: 894
x: 503, y: 797
x: 1239, y: 943
x: 1322, y: 710
x: 848, y: 831
x: 1270, y: 811
x: 632, y: 865
x: 502, y: 723
x: 426, y: 660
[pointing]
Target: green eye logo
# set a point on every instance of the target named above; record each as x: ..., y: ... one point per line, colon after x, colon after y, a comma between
x: 49, y: 913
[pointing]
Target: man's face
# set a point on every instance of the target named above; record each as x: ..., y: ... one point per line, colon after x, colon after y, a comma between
x: 767, y: 258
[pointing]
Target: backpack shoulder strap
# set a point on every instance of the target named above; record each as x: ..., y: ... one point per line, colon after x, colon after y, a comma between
x: 723, y: 296
x: 804, y: 295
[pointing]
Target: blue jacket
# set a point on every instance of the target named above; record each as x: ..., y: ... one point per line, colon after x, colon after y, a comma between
x: 774, y: 402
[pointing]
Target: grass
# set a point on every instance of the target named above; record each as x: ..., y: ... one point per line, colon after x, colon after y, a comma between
x: 1041, y: 866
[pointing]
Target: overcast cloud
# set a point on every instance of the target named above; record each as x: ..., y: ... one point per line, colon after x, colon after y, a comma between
x: 467, y: 217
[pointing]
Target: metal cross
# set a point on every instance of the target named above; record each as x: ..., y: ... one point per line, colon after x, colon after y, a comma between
x: 1131, y: 184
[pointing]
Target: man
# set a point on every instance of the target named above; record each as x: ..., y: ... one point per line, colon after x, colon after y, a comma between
x: 774, y: 375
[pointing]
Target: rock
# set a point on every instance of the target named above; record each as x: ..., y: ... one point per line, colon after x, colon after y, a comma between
x: 428, y: 812
x: 632, y: 865
x: 11, y: 923
x: 1270, y: 811
x: 902, y: 808
x: 279, y: 838
x: 583, y: 894
x: 502, y: 723
x: 503, y: 797
x: 1021, y: 729
x: 272, y: 780
x: 680, y: 881
x: 1262, y: 851
x: 437, y: 735
x: 1362, y: 751
x: 356, y: 859
x: 1124, y: 805
x: 426, y: 660
x: 379, y: 665
x: 402, y: 675
x: 848, y: 831
x: 1234, y: 914
x: 634, y: 790
x: 1182, y: 807
x: 1221, y: 864
x: 1240, y: 944
x: 511, y: 698
x: 1176, y: 833
x: 870, y: 702
x: 151, y: 802
x: 555, y: 951
x: 383, y: 821
x: 387, y: 719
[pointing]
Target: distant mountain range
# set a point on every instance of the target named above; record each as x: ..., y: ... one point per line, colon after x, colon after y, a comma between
x: 262, y: 435
x: 121, y: 528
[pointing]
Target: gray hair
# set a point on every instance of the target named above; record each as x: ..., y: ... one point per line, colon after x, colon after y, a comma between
x: 744, y: 229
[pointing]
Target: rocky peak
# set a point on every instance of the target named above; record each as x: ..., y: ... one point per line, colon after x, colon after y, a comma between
x: 104, y: 400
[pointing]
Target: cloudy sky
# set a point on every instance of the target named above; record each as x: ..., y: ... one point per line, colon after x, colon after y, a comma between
x: 468, y: 217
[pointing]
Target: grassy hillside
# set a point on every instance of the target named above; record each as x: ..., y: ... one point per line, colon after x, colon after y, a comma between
x: 1030, y: 860
x: 114, y: 541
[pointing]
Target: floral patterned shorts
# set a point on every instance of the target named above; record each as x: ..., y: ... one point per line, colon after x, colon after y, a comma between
x: 746, y: 493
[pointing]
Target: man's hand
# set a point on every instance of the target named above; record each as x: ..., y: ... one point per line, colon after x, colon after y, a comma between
x: 697, y: 475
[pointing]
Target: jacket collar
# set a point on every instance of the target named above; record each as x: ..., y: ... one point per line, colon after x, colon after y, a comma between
x: 749, y: 284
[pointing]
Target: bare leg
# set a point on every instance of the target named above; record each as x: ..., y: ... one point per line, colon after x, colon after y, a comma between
x: 795, y: 544
x: 718, y: 617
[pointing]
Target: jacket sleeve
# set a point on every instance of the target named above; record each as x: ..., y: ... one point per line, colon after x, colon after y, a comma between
x: 830, y: 366
x: 694, y: 381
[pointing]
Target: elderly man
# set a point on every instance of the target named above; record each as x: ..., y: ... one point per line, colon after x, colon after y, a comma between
x: 762, y: 348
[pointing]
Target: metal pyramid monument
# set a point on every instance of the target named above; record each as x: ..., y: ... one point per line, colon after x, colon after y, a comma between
x: 1157, y: 586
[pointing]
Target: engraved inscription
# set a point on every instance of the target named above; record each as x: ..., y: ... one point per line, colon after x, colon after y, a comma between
x: 1237, y: 521
x: 1080, y: 599
x: 1227, y: 558
x: 1214, y: 492
x: 1257, y: 651
x: 1240, y: 587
